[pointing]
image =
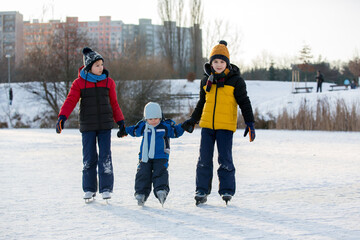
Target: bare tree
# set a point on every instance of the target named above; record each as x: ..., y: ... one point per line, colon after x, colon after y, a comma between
x: 54, y: 63
x: 222, y: 30
x: 137, y: 80
x: 354, y: 66
x: 263, y: 60
x: 172, y: 38
x: 196, y: 18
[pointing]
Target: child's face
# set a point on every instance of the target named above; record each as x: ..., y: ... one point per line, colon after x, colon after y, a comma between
x: 153, y: 121
x: 218, y: 65
x: 97, y: 68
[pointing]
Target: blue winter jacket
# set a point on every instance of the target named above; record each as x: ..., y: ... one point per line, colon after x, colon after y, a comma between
x: 165, y: 130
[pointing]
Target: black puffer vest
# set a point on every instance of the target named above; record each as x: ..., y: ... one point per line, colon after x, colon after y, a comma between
x: 95, y: 109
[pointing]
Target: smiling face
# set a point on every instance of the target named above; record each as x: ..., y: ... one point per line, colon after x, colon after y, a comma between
x: 218, y: 65
x: 98, y: 67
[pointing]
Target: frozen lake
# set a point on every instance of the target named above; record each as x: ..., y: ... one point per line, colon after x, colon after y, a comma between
x: 290, y: 185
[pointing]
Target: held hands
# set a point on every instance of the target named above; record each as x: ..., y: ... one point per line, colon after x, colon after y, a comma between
x: 121, y: 133
x: 189, y: 125
x: 251, y: 130
x: 60, y: 123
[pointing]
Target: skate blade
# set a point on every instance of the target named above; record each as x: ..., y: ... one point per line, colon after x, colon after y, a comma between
x: 162, y: 201
x: 89, y: 200
x: 226, y: 199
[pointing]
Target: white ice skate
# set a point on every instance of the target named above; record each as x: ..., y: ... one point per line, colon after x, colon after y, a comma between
x: 89, y: 196
x: 106, y: 195
x: 161, y: 194
x: 140, y: 198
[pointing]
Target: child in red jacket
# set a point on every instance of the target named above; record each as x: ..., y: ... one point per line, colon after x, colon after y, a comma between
x: 99, y: 109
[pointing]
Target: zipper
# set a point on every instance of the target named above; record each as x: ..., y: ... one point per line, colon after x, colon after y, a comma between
x: 213, y: 122
x: 97, y: 105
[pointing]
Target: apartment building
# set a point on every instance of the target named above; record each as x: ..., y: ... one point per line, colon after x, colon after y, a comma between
x: 19, y: 38
x: 11, y: 36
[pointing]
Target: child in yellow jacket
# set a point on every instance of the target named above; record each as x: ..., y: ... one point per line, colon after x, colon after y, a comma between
x: 221, y: 91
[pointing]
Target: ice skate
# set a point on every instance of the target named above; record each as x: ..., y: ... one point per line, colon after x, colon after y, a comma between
x: 200, y: 198
x: 226, y: 197
x: 89, y: 196
x: 161, y: 195
x: 106, y: 195
x: 140, y: 198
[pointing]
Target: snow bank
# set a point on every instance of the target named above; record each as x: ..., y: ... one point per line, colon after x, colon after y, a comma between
x: 267, y: 97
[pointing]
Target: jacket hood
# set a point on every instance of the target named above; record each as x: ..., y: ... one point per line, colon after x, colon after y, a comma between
x: 234, y: 70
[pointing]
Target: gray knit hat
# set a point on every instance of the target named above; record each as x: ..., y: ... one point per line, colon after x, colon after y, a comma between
x: 152, y: 110
x: 90, y: 57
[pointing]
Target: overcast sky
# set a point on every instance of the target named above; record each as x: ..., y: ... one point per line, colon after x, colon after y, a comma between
x: 277, y: 27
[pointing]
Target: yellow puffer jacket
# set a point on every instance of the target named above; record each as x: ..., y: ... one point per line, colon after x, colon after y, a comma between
x: 220, y: 109
x: 217, y: 109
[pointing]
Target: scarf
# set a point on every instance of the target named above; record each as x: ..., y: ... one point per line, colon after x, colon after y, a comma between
x: 218, y: 78
x: 88, y: 76
x: 148, y: 152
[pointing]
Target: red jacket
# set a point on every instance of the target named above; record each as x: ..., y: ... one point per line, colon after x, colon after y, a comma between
x: 74, y: 96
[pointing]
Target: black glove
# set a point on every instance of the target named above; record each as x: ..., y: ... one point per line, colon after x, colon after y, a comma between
x: 121, y: 133
x: 189, y: 125
x: 251, y: 130
x: 60, y: 123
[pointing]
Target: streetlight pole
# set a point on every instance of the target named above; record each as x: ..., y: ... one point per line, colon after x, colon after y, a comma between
x: 8, y: 56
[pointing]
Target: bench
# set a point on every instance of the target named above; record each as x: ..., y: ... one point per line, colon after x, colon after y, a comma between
x: 300, y: 89
x: 336, y: 87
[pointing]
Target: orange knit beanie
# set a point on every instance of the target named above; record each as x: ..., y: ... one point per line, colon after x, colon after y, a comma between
x: 220, y: 51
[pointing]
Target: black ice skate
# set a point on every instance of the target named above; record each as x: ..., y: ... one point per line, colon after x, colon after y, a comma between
x: 200, y: 198
x: 226, y: 197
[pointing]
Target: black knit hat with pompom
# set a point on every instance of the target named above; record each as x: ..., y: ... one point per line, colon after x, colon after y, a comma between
x: 90, y: 57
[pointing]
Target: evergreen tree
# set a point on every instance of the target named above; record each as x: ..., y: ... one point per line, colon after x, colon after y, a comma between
x: 271, y: 72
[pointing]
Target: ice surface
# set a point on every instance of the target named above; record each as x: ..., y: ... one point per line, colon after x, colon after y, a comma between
x: 290, y: 185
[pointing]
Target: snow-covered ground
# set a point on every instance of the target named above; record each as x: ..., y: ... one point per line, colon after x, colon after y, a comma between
x: 267, y: 97
x: 272, y: 97
x: 290, y: 185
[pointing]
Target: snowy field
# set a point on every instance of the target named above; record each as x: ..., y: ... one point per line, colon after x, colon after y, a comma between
x: 290, y: 185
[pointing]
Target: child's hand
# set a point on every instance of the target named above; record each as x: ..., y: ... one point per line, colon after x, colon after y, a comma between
x: 60, y: 123
x: 121, y: 133
x: 251, y: 130
x: 189, y: 125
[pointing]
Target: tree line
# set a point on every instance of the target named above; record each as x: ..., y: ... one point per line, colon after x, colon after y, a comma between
x: 307, y: 66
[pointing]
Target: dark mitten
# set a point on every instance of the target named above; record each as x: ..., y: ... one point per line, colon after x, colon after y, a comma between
x: 251, y: 130
x: 60, y: 123
x: 189, y: 125
x: 121, y: 133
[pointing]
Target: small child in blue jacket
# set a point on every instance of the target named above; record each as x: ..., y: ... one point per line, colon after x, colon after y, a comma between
x: 154, y: 152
